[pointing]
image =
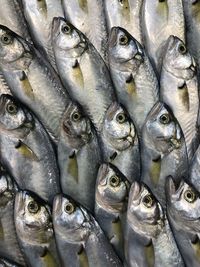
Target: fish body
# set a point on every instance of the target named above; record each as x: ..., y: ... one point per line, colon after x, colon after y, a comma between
x: 7, y: 263
x: 160, y: 19
x: 125, y: 14
x: 77, y: 232
x: 183, y: 211
x: 32, y: 80
x: 9, y: 246
x: 89, y: 17
x: 120, y: 142
x: 194, y: 170
x: 133, y: 76
x: 82, y: 70
x: 163, y: 150
x: 149, y: 225
x: 34, y: 230
x: 39, y: 16
x: 112, y: 189
x: 79, y: 156
x: 179, y: 90
x: 23, y: 138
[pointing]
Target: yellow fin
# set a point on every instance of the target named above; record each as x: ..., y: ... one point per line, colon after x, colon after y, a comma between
x: 26, y: 86
x: 196, y: 247
x: 42, y: 6
x: 155, y: 171
x: 149, y: 254
x: 48, y: 260
x: 26, y: 151
x: 78, y: 75
x: 83, y: 259
x: 125, y: 9
x: 83, y: 5
x: 72, y: 167
x: 184, y: 96
x: 131, y: 87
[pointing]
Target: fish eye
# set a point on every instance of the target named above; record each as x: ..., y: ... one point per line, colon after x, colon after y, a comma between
x: 12, y: 108
x: 123, y: 40
x: 165, y: 119
x: 121, y: 118
x: 182, y: 49
x: 76, y: 116
x: 69, y: 208
x: 148, y: 201
x: 114, y: 181
x: 6, y: 39
x: 190, y: 196
x: 33, y: 207
x: 66, y: 29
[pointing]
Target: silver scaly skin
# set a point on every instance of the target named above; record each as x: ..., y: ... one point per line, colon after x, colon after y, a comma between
x: 133, y: 76
x: 179, y: 79
x: 22, y: 137
x: 112, y: 189
x: 89, y: 17
x: 82, y: 70
x: 32, y: 80
x: 79, y: 156
x: 160, y: 19
x: 79, y: 238
x: 35, y: 232
x: 163, y: 150
x: 149, y: 239
x: 183, y: 208
x: 39, y: 16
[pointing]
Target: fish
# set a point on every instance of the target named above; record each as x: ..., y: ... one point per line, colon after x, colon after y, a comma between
x: 111, y: 199
x: 34, y: 229
x: 9, y: 246
x: 163, y: 150
x: 125, y: 14
x: 149, y: 239
x: 120, y: 143
x: 79, y: 156
x: 183, y: 203
x: 89, y: 17
x: 160, y: 19
x: 39, y: 16
x: 133, y: 75
x: 26, y: 150
x: 179, y: 90
x: 82, y: 70
x: 77, y: 232
x: 32, y: 80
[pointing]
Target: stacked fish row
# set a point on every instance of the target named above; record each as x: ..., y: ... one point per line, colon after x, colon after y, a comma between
x: 99, y: 133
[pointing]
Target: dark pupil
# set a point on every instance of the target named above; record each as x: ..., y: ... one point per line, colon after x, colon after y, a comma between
x: 123, y: 39
x: 147, y: 200
x: 11, y: 108
x: 164, y: 118
x: 66, y: 29
x: 189, y: 195
x: 32, y: 206
x: 121, y: 118
x: 113, y: 180
x: 182, y: 48
x: 5, y: 39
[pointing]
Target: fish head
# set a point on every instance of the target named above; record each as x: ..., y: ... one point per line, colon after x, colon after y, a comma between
x: 178, y: 60
x: 112, y: 188
x: 145, y: 214
x: 118, y: 128
x: 70, y: 220
x: 12, y: 49
x: 66, y: 38
x: 161, y: 130
x: 183, y: 203
x: 12, y: 115
x: 124, y: 50
x: 76, y: 127
x: 33, y: 219
x: 7, y: 189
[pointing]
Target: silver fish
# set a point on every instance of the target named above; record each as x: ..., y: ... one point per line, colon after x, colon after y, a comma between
x: 26, y: 150
x: 82, y: 70
x: 9, y: 246
x: 119, y: 142
x: 125, y: 14
x: 112, y: 189
x: 133, y: 76
x: 79, y: 238
x: 160, y: 19
x: 79, y: 156
x: 194, y: 172
x: 179, y: 90
x: 35, y: 232
x: 39, y: 15
x: 32, y: 80
x: 183, y: 208
x: 149, y: 239
x: 163, y: 150
x: 89, y: 17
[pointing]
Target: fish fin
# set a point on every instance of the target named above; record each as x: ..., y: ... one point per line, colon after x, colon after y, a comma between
x: 77, y: 73
x: 72, y: 167
x: 117, y: 238
x: 83, y: 5
x: 82, y: 256
x: 196, y: 247
x: 150, y: 255
x: 26, y: 151
x: 47, y: 259
x: 130, y: 85
x: 184, y: 95
x: 26, y: 86
x: 155, y: 170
